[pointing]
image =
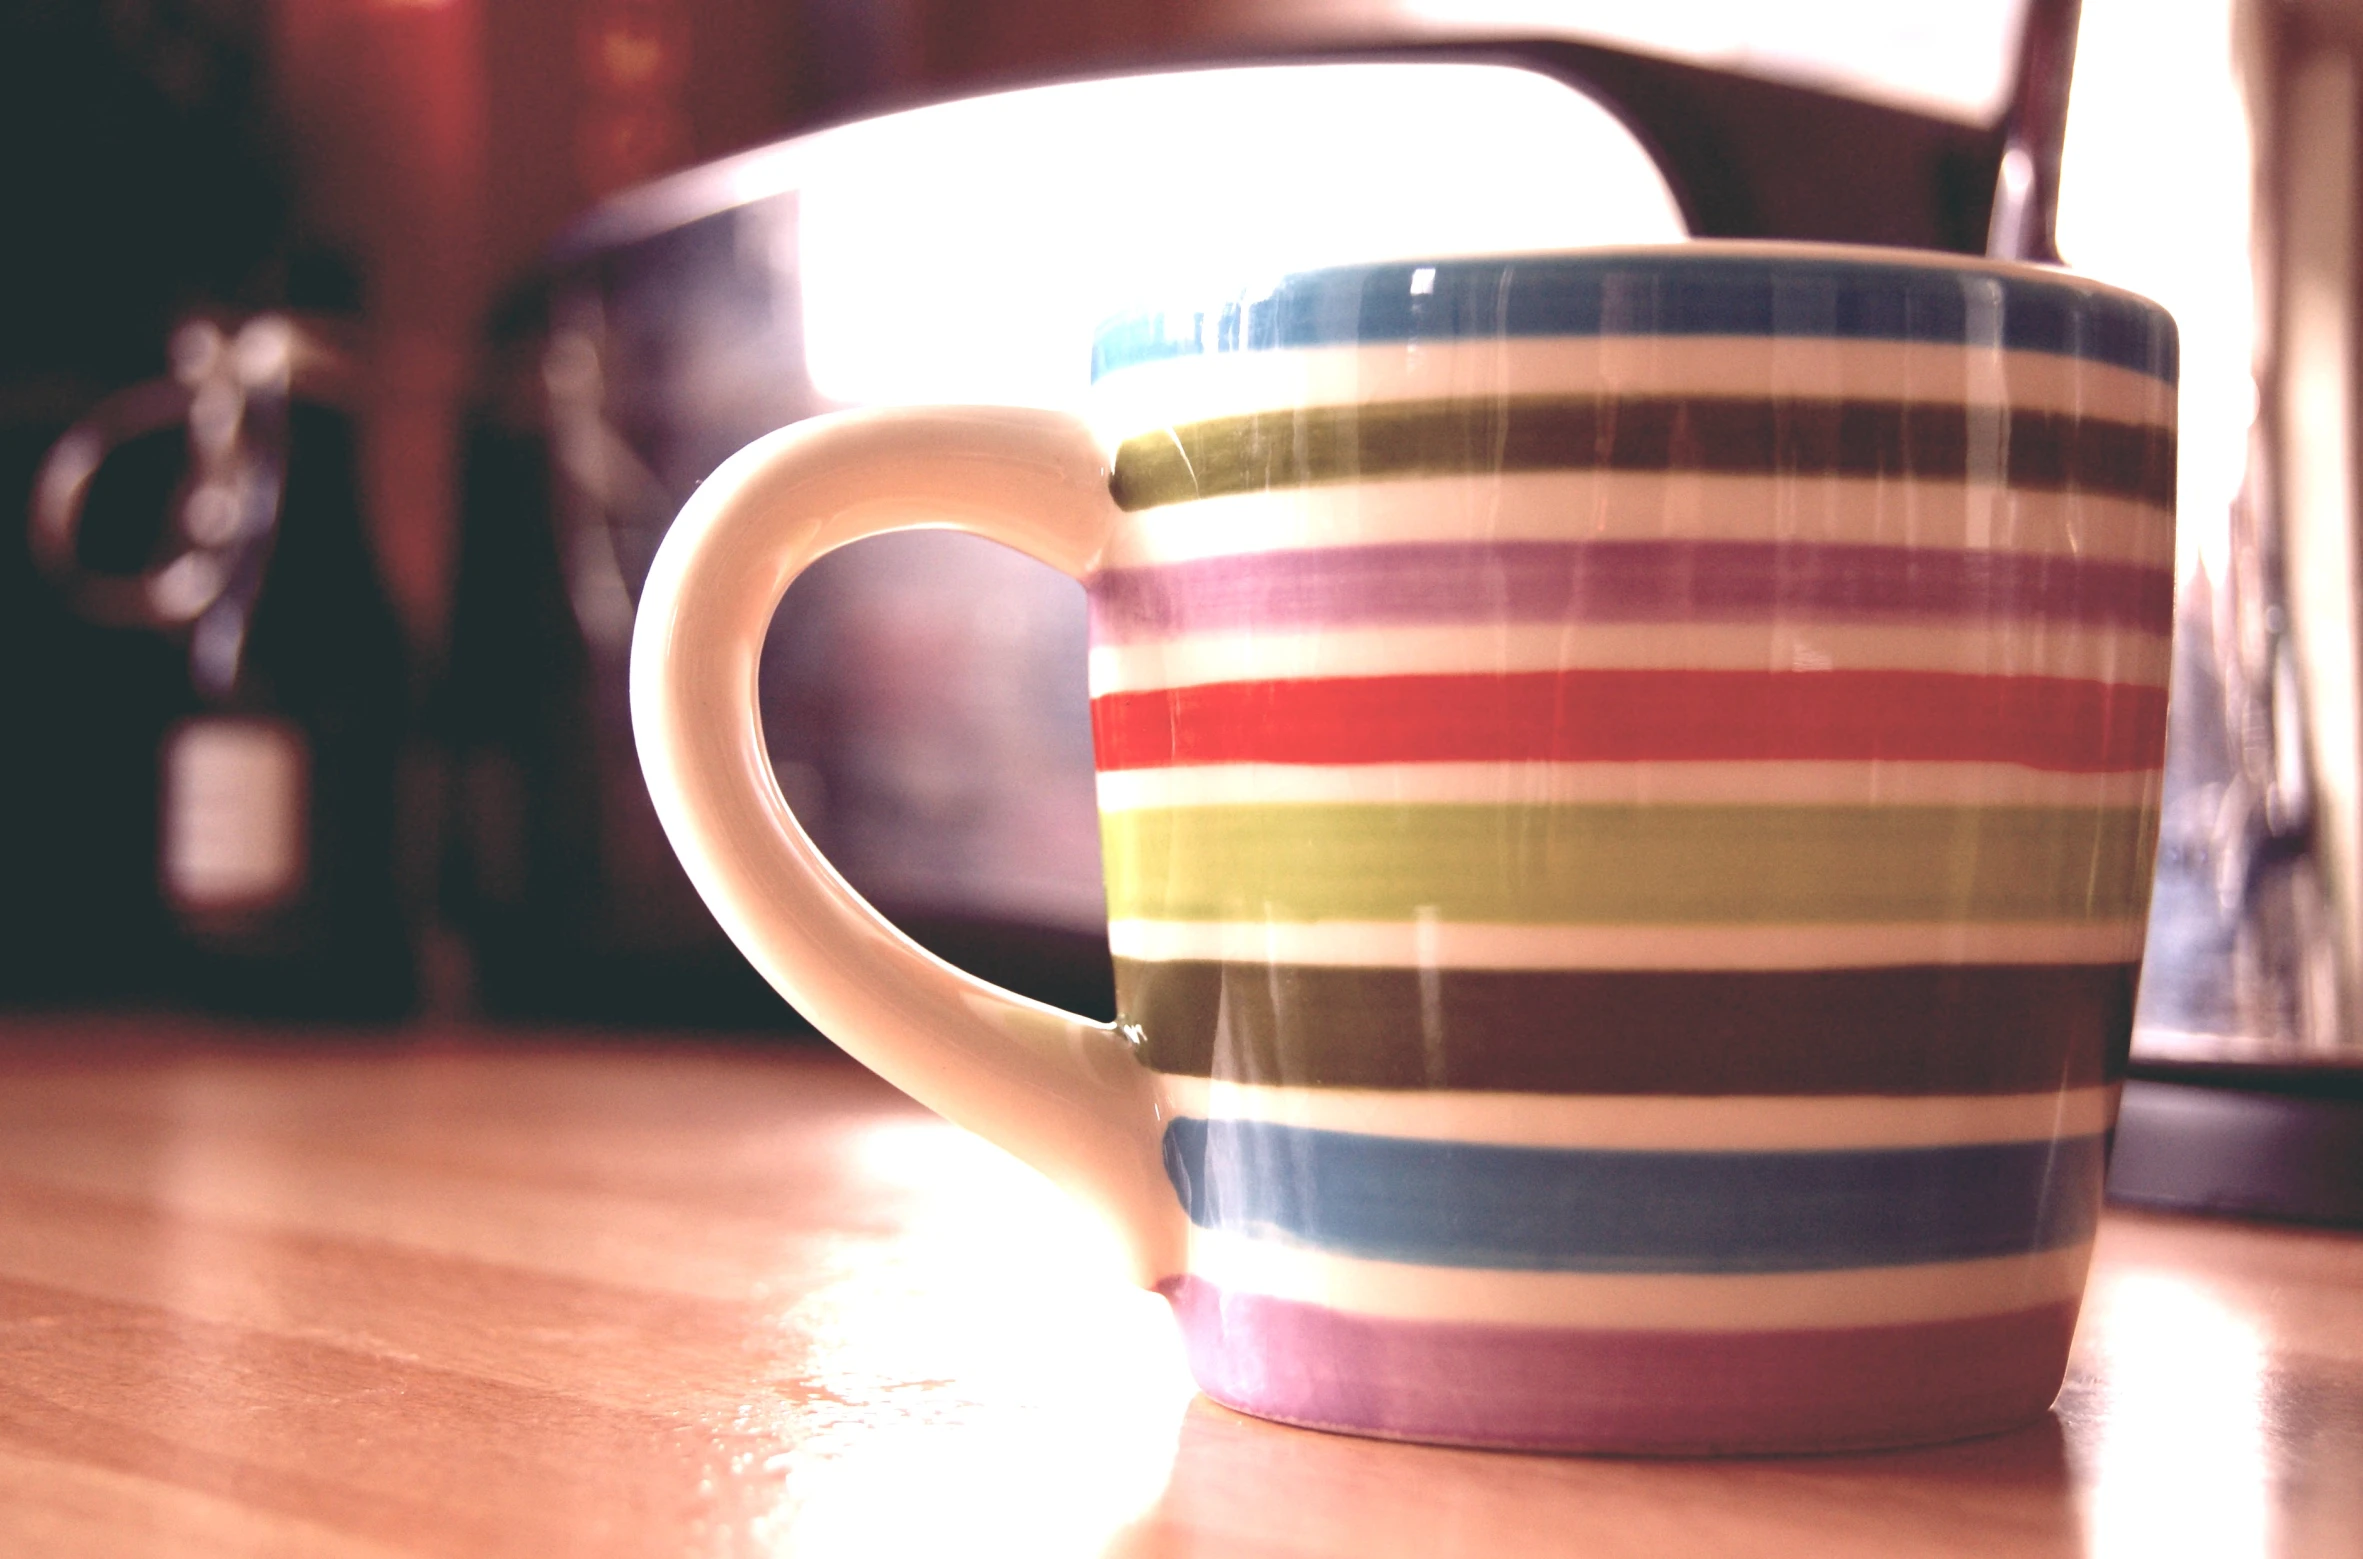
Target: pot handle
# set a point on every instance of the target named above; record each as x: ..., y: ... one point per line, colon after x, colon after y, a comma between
x: 1062, y: 1092
x: 171, y: 593
x: 229, y: 388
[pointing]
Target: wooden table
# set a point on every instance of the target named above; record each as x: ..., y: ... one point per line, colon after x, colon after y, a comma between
x: 478, y: 1294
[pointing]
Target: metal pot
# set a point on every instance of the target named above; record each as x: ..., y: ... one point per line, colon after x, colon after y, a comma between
x: 925, y: 694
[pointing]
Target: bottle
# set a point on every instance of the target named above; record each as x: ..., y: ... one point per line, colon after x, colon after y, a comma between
x: 277, y: 789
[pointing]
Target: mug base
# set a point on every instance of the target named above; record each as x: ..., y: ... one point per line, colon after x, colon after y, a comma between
x: 1624, y: 1392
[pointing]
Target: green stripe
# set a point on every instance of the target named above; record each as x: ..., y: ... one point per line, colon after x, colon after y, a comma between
x: 1627, y: 865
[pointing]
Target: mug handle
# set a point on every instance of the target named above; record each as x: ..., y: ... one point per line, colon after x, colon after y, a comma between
x: 1061, y: 1092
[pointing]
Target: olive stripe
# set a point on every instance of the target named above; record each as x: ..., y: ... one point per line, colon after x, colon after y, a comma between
x: 1903, y: 440
x: 1613, y: 863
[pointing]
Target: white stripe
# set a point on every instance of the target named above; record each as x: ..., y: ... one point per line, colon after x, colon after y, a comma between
x: 1461, y: 945
x: 1655, y: 783
x: 1198, y: 387
x: 1651, y: 1123
x: 1647, y: 506
x: 1787, y: 644
x: 1618, y: 1301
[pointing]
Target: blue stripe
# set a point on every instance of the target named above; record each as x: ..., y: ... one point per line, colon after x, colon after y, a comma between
x: 1461, y: 1204
x: 1657, y: 294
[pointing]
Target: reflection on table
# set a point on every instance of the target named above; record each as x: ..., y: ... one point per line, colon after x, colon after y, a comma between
x: 486, y: 1294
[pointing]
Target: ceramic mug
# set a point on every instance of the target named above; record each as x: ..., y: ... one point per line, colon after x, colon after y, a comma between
x: 1628, y: 783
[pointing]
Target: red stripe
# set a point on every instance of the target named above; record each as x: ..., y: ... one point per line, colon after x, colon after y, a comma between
x: 1609, y: 716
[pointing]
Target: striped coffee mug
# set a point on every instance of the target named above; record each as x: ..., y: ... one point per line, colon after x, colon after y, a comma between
x: 1628, y: 784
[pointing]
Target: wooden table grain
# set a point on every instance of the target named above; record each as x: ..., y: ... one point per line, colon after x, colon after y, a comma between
x: 477, y: 1293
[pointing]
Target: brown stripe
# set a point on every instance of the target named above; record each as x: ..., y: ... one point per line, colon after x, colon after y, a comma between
x: 1915, y: 1030
x: 1918, y: 440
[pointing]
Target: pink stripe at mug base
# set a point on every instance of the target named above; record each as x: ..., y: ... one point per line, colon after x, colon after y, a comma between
x: 1651, y: 1393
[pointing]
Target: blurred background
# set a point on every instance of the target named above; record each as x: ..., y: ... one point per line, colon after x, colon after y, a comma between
x: 355, y: 353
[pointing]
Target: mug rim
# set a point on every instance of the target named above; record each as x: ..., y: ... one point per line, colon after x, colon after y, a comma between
x: 2022, y: 279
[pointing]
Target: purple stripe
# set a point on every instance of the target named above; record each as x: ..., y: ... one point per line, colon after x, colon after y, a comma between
x: 1618, y: 582
x: 1649, y: 1392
